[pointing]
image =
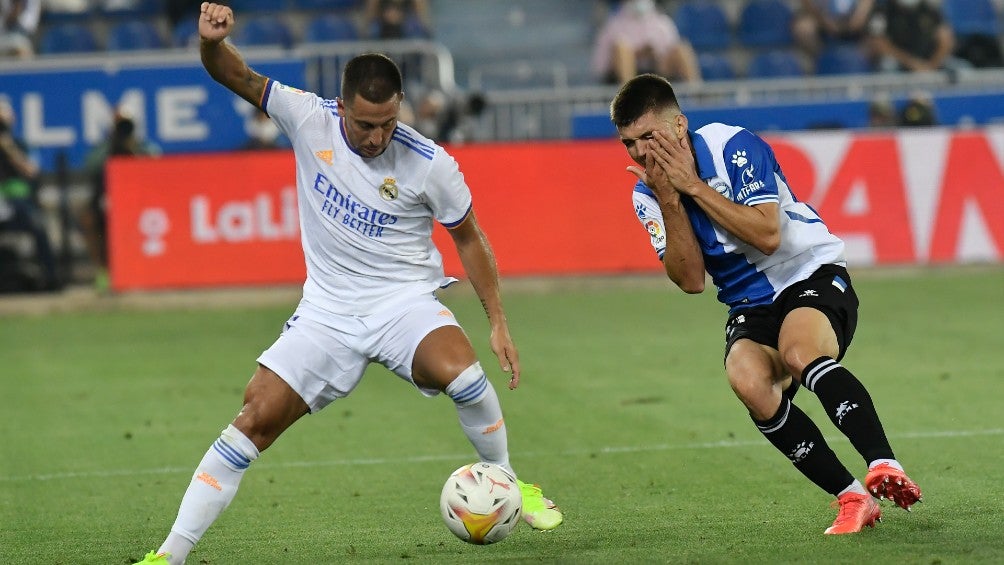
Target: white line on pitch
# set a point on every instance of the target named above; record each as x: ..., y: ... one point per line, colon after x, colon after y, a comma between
x: 463, y: 457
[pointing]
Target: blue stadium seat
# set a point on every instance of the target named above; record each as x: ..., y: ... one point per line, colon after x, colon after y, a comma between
x: 257, y: 6
x: 137, y: 9
x: 330, y: 27
x: 185, y: 33
x: 134, y: 35
x: 716, y: 66
x: 335, y: 5
x: 263, y: 31
x: 765, y: 23
x: 775, y: 63
x: 843, y: 60
x: 69, y: 37
x: 704, y: 24
x: 971, y: 17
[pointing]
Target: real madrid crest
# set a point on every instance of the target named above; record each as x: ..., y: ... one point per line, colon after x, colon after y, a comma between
x: 388, y: 190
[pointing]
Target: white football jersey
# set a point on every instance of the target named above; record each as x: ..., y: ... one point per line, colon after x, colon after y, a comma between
x: 366, y: 223
x: 741, y: 166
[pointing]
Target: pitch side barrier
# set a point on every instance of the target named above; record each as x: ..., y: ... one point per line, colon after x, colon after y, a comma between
x: 907, y: 197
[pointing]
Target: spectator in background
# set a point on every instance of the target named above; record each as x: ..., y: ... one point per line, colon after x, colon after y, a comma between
x: 820, y: 22
x: 398, y: 19
x: 431, y: 113
x: 912, y: 36
x: 19, y: 210
x: 263, y: 133
x: 881, y: 112
x: 637, y: 38
x: 122, y: 140
x: 19, y: 21
x: 918, y: 111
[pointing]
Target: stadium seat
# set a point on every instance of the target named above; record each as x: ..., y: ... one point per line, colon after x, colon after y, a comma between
x: 716, y: 66
x: 765, y: 23
x: 134, y: 35
x: 704, y: 24
x: 185, y: 33
x: 263, y: 31
x: 135, y: 9
x: 257, y: 6
x: 330, y: 27
x: 842, y: 60
x: 971, y: 17
x: 69, y: 37
x: 335, y: 5
x: 775, y: 63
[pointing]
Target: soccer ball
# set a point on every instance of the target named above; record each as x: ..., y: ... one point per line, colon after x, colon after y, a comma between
x: 481, y: 503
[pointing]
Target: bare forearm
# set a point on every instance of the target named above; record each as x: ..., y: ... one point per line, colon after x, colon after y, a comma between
x: 682, y: 257
x: 224, y: 63
x: 751, y: 224
x: 479, y: 263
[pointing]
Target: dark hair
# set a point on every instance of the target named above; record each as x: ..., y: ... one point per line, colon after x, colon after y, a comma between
x: 373, y: 76
x: 639, y: 96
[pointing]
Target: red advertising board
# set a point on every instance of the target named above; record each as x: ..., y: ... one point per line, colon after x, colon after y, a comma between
x: 917, y: 197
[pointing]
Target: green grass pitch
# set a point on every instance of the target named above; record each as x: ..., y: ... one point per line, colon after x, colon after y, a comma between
x: 624, y: 416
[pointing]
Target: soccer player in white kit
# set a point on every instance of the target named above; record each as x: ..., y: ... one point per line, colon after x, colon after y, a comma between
x: 715, y: 201
x: 368, y: 190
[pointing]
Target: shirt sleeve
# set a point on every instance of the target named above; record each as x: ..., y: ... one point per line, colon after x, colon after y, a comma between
x: 446, y: 192
x: 647, y: 211
x: 750, y: 164
x: 291, y: 107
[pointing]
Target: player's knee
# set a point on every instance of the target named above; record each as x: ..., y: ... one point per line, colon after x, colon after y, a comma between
x: 470, y: 386
x: 796, y: 357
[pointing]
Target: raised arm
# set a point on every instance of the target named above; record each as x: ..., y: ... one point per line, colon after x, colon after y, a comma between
x: 479, y: 263
x: 221, y: 59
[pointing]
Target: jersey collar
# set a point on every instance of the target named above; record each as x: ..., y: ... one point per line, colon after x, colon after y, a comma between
x: 705, y: 162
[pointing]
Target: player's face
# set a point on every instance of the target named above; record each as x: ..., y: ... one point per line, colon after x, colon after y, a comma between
x: 369, y: 125
x: 637, y: 136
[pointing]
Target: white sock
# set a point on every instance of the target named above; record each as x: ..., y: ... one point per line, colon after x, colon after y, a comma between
x: 481, y: 415
x: 891, y: 462
x: 213, y: 486
x: 855, y: 487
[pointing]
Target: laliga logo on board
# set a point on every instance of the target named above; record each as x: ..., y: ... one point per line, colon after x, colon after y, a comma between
x: 241, y: 221
x: 154, y: 225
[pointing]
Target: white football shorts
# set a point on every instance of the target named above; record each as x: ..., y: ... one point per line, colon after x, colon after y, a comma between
x: 323, y: 357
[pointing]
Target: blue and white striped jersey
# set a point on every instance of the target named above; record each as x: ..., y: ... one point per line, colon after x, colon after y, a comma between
x: 366, y: 223
x: 741, y: 167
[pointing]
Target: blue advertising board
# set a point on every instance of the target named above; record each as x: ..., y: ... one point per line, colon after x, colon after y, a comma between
x: 177, y: 105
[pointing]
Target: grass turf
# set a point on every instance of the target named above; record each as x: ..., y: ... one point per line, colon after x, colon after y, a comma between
x: 624, y: 416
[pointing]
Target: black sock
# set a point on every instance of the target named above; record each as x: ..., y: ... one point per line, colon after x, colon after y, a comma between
x: 849, y: 406
x: 795, y: 435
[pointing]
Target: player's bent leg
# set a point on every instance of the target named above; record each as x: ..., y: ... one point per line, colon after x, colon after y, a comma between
x: 478, y: 409
x: 270, y: 407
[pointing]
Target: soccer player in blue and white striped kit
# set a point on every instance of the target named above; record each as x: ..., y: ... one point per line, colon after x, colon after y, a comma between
x: 715, y: 201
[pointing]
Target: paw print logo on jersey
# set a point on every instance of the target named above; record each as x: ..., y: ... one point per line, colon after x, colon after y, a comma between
x: 739, y: 159
x: 388, y: 190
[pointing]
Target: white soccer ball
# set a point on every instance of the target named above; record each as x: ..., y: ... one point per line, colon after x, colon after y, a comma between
x: 481, y: 503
